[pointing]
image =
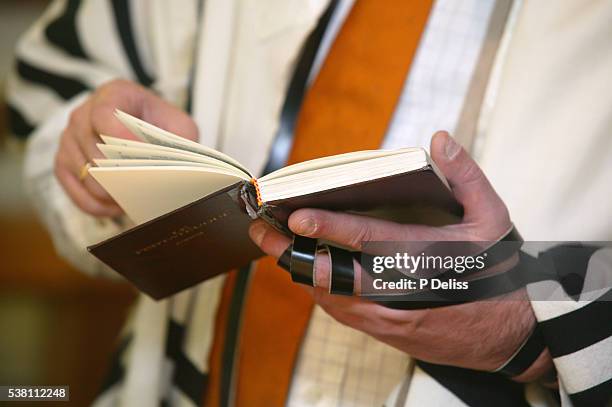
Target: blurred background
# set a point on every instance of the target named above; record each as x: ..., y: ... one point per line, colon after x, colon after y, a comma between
x: 57, y: 326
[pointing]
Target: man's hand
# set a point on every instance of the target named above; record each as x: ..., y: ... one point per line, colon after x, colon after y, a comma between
x: 96, y: 116
x: 479, y: 335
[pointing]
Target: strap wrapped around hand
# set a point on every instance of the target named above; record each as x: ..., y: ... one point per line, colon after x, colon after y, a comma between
x: 342, y: 272
x: 299, y: 260
x: 526, y: 354
x: 302, y: 260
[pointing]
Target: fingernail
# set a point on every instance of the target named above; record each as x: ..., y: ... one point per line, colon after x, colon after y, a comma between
x: 451, y: 148
x: 306, y: 227
x: 257, y: 232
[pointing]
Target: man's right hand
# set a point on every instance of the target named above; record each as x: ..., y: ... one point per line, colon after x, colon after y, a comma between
x: 96, y: 116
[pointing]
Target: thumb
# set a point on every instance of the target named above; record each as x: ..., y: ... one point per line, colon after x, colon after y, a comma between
x: 471, y: 188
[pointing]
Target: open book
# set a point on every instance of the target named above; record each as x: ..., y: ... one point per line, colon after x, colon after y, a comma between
x: 192, y: 204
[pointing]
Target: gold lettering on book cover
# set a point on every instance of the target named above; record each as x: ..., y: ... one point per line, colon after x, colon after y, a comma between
x: 183, y: 234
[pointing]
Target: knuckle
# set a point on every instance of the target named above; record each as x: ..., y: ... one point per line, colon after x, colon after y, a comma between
x: 98, y: 109
x: 471, y: 172
x: 323, y: 298
x: 337, y: 315
x: 340, y: 314
x: 99, y: 114
x: 362, y: 234
x: 117, y: 83
x: 267, y: 242
x: 75, y: 117
x: 112, y: 89
x: 193, y: 132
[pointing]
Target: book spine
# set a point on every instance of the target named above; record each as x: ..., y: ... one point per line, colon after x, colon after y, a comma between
x: 248, y: 195
x: 265, y: 212
x: 257, y: 209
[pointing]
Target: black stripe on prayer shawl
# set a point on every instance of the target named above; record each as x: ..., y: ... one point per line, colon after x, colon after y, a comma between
x: 121, y: 9
x: 116, y: 372
x: 232, y: 335
x: 283, y: 141
x: 62, y: 32
x: 18, y: 124
x: 65, y: 87
x: 186, y: 376
x: 570, y: 262
x: 579, y: 329
x: 194, y: 65
x: 476, y: 388
x: 600, y: 395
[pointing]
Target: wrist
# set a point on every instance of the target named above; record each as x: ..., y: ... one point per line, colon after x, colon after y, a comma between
x: 526, y: 353
x: 542, y: 369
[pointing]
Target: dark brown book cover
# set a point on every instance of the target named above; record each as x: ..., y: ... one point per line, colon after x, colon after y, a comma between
x: 412, y: 197
x: 210, y: 236
x: 184, y: 247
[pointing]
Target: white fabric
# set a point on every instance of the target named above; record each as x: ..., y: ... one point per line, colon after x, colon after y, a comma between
x: 585, y: 373
x: 547, y: 147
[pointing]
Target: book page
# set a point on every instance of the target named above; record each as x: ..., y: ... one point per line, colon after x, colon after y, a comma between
x: 114, y: 141
x: 145, y: 193
x: 111, y: 162
x: 154, y: 135
x: 327, y: 177
x: 125, y: 152
x: 333, y: 160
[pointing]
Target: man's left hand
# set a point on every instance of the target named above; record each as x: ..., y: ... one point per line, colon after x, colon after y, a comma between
x: 478, y: 335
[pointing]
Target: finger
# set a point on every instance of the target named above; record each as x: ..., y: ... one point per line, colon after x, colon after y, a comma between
x: 350, y: 311
x: 274, y: 244
x: 81, y: 197
x: 268, y: 239
x: 81, y: 130
x: 71, y: 158
x: 366, y: 316
x: 350, y: 230
x: 104, y: 122
x: 471, y: 188
x: 139, y: 102
x: 76, y: 140
x: 168, y: 117
x: 118, y: 94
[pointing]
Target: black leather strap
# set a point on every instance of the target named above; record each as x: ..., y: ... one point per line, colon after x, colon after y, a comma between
x: 507, y: 246
x: 528, y: 270
x: 301, y: 264
x: 526, y: 355
x: 299, y: 260
x: 279, y: 152
x: 342, y: 277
